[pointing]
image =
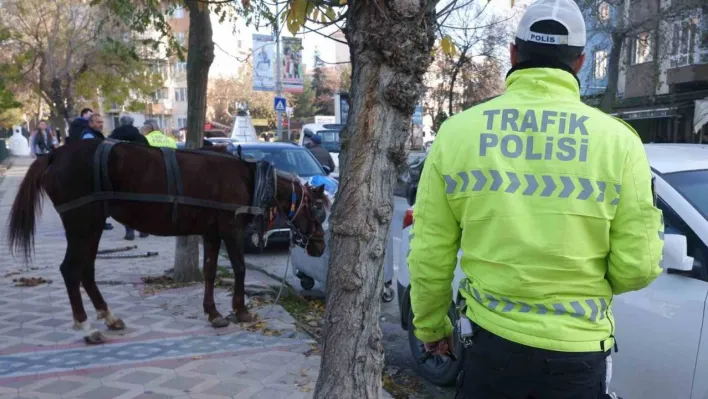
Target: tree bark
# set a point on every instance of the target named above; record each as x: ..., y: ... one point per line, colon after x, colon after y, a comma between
x: 187, y: 259
x: 387, y: 80
x: 607, y: 101
x: 200, y: 55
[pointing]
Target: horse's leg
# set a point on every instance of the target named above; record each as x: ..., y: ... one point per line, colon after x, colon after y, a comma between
x: 88, y: 280
x: 78, y: 249
x: 211, y: 257
x: 234, y: 246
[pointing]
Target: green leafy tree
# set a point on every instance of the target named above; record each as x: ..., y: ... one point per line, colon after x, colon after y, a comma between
x: 69, y: 50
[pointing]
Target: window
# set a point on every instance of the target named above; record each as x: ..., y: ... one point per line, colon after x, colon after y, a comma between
x: 160, y: 94
x: 181, y: 94
x: 642, y: 48
x: 689, y: 41
x: 116, y: 121
x: 179, y: 36
x: 603, y: 11
x: 179, y: 13
x: 179, y: 68
x: 600, y: 64
x: 181, y: 123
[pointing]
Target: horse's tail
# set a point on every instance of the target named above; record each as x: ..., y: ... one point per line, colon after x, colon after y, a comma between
x: 27, y: 205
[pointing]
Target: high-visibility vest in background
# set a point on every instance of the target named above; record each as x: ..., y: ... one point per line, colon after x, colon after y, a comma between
x: 159, y: 139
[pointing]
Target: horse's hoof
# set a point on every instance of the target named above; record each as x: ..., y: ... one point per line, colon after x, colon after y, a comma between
x: 116, y: 325
x: 95, y: 338
x: 219, y: 322
x: 244, y: 317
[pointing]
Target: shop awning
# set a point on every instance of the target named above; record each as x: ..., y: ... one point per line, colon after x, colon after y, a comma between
x: 649, y: 113
x: 700, y: 115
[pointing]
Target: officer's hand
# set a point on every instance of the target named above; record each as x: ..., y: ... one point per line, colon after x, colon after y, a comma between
x: 444, y: 347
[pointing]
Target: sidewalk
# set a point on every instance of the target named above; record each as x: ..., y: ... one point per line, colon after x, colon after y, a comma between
x: 168, y: 349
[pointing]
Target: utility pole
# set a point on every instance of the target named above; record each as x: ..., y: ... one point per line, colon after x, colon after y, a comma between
x: 278, y: 75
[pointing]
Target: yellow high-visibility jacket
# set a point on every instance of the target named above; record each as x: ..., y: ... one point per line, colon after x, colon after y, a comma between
x: 551, y: 202
x: 159, y: 139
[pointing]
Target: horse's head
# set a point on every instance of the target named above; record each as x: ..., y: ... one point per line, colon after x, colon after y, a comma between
x: 307, y: 211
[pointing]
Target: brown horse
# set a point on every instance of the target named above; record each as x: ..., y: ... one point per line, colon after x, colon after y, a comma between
x: 160, y: 192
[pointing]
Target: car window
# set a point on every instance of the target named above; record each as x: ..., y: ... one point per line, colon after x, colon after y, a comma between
x: 296, y: 160
x: 693, y: 186
x: 674, y: 224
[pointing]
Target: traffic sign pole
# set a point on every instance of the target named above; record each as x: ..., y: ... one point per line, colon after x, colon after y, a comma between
x: 278, y: 76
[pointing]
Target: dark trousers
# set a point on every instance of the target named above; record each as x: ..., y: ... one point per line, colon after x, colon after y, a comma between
x: 495, y: 368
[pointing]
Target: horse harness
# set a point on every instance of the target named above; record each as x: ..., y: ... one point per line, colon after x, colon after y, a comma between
x: 263, y: 195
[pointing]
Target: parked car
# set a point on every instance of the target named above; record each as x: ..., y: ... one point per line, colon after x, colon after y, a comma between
x: 663, y: 347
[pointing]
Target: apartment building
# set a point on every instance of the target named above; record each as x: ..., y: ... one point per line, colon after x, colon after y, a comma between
x: 168, y: 104
x: 663, y: 70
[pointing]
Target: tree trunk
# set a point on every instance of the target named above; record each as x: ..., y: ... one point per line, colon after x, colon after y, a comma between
x: 607, y: 101
x: 200, y: 55
x: 187, y: 259
x: 387, y: 81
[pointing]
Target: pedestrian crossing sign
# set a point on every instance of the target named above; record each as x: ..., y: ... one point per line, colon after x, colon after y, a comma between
x: 280, y: 104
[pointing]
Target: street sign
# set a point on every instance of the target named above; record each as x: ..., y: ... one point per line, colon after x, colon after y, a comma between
x: 280, y: 104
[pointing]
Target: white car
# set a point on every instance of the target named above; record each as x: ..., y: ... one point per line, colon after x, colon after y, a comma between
x: 663, y: 347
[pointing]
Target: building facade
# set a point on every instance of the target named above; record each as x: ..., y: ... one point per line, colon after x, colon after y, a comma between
x: 599, y: 20
x: 168, y: 105
x: 663, y: 65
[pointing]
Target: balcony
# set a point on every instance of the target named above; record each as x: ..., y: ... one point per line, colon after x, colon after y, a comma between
x: 162, y: 107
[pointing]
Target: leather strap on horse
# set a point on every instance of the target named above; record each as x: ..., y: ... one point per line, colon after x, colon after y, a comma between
x: 103, y: 189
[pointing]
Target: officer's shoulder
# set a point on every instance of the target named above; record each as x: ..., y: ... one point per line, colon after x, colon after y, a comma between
x: 617, y: 126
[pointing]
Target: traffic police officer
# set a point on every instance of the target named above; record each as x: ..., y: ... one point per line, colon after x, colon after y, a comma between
x: 155, y: 137
x: 551, y: 202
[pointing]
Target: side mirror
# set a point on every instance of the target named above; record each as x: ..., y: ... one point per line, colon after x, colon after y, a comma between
x: 675, y: 254
x: 327, y: 170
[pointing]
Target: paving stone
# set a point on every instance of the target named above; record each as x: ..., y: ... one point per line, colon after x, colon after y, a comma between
x: 104, y: 393
x: 139, y: 377
x: 227, y: 388
x: 60, y: 387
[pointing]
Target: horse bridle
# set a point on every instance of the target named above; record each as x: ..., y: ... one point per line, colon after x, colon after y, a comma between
x: 317, y: 210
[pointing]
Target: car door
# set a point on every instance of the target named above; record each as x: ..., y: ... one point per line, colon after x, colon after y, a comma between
x: 658, y: 329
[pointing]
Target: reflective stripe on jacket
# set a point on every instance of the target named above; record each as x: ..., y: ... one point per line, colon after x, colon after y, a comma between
x: 550, y: 201
x: 158, y: 139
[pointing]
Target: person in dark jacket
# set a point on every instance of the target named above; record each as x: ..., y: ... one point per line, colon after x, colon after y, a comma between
x: 127, y: 132
x: 78, y: 125
x: 321, y: 153
x: 94, y: 131
x: 94, y: 128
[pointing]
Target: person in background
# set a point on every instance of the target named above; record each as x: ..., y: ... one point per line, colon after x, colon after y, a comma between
x: 127, y: 132
x: 78, y: 125
x: 321, y: 153
x: 94, y: 128
x: 57, y: 136
x: 94, y: 131
x: 42, y: 141
x: 151, y: 130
